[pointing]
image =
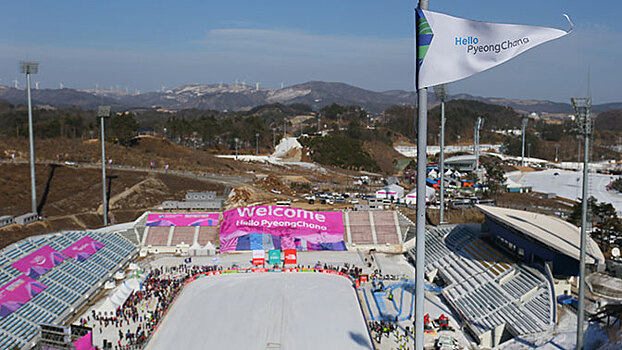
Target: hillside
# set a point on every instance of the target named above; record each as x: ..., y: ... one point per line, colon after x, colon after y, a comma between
x: 223, y: 97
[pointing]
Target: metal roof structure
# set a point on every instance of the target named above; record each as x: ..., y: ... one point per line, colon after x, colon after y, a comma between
x: 553, y: 232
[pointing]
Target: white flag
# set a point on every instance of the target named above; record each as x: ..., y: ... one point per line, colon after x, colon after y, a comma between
x: 451, y: 48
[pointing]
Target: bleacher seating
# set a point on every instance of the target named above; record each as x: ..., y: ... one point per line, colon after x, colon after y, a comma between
x: 487, y: 288
x: 360, y: 227
x: 208, y: 234
x: 157, y: 236
x: 67, y: 283
x: 386, y: 230
x: 183, y: 234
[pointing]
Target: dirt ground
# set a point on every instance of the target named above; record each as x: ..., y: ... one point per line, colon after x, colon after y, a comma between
x: 146, y: 150
x: 73, y: 197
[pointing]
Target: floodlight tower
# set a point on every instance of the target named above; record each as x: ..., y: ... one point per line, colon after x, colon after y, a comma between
x: 582, y: 108
x: 524, y: 126
x: 441, y: 93
x: 103, y: 112
x: 478, y: 126
x: 31, y: 68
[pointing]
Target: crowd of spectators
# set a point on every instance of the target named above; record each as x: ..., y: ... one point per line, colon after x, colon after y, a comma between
x: 136, y: 320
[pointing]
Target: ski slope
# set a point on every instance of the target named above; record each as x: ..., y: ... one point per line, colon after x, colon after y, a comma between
x: 568, y: 184
x: 264, y: 311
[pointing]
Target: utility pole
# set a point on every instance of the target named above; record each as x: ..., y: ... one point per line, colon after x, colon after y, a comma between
x: 529, y: 152
x: 441, y: 93
x: 31, y: 68
x: 478, y: 126
x: 422, y: 133
x: 256, y: 143
x: 103, y: 112
x: 556, y: 153
x: 524, y: 126
x: 582, y: 107
x: 273, y: 138
x: 284, y: 128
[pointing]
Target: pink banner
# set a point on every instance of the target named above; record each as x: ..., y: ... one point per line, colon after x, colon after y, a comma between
x: 271, y: 227
x: 39, y: 262
x: 85, y: 342
x: 17, y: 293
x: 183, y: 219
x: 83, y: 248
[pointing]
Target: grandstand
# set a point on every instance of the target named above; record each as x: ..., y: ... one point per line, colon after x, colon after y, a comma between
x: 539, y: 239
x: 369, y: 228
x: 496, y: 298
x: 69, y: 284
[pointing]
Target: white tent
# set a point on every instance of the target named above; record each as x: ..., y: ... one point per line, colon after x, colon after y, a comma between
x: 392, y: 191
x: 119, y: 275
x: 210, y: 248
x: 195, y: 250
x: 411, y: 198
x: 118, y: 296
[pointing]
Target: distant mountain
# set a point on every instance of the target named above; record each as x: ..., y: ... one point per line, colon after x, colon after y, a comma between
x: 317, y: 94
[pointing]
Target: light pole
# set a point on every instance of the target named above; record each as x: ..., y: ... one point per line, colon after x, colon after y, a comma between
x: 273, y: 138
x: 31, y: 68
x: 524, y: 126
x: 103, y: 112
x: 441, y: 93
x: 236, y: 148
x: 582, y: 107
x: 256, y: 143
x: 529, y: 151
x: 422, y: 133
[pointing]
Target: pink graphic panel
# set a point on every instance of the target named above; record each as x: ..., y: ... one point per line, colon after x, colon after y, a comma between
x: 85, y: 342
x: 39, y: 262
x: 17, y: 293
x: 83, y: 248
x: 183, y: 219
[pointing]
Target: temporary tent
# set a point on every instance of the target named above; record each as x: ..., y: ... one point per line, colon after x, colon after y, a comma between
x: 119, y: 295
x: 390, y: 192
x: 411, y: 198
x: 210, y: 248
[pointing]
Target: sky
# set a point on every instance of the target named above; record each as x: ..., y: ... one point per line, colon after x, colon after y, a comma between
x: 150, y: 45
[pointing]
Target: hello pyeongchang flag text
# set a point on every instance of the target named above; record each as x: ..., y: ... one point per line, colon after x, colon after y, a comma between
x: 450, y: 48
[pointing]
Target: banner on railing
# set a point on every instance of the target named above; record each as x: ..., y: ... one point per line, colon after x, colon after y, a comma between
x: 83, y: 248
x: 17, y: 293
x: 39, y: 262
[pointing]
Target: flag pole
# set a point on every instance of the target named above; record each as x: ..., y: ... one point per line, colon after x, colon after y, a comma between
x: 422, y: 132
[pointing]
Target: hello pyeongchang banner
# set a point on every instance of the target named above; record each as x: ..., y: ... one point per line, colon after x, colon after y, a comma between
x: 451, y: 48
x: 268, y: 227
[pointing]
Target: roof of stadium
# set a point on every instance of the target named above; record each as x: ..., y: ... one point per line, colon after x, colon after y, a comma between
x: 551, y: 231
